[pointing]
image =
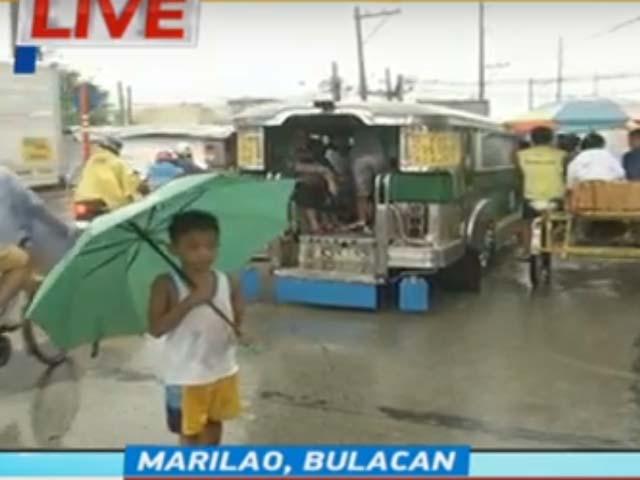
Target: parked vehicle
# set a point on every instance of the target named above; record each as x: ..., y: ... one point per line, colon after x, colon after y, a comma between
x: 449, y: 201
x: 31, y: 134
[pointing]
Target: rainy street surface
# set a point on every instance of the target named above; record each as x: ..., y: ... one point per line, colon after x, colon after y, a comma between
x: 501, y: 369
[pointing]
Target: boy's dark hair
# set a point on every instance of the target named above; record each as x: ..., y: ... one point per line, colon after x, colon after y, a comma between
x: 190, y: 221
x: 635, y: 133
x: 541, y: 136
x: 593, y: 140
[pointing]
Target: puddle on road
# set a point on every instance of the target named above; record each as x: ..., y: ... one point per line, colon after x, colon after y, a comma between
x: 476, y: 425
x: 55, y: 405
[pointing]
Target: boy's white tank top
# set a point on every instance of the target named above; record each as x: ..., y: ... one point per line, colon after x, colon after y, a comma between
x: 202, y: 348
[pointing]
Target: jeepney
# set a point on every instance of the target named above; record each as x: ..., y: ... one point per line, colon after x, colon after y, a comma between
x: 449, y: 201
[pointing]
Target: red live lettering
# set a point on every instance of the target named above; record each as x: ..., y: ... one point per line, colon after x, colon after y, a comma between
x: 117, y: 23
x: 40, y: 27
x: 156, y: 14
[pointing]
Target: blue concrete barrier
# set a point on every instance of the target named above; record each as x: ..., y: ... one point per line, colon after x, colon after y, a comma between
x: 251, y: 284
x: 331, y: 293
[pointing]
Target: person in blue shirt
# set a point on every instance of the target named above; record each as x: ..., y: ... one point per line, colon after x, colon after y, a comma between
x: 28, y: 232
x: 631, y: 159
x: 165, y: 169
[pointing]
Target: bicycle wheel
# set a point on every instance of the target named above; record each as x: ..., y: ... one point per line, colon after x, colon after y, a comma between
x: 38, y: 344
x: 535, y: 270
x: 546, y: 267
x: 5, y: 350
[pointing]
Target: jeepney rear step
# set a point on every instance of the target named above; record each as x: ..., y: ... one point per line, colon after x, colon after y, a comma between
x: 325, y: 288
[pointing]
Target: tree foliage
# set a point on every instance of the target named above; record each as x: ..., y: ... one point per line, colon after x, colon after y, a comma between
x: 69, y: 94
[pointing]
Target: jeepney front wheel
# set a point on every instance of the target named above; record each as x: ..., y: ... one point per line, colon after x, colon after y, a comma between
x: 465, y: 274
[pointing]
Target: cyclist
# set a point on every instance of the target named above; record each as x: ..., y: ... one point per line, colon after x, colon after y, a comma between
x: 23, y: 216
x: 542, y: 167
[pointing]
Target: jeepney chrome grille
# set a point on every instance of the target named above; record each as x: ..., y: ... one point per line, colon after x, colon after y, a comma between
x: 410, y: 221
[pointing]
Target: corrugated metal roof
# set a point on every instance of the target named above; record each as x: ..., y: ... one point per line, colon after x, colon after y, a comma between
x: 370, y: 113
x: 213, y: 132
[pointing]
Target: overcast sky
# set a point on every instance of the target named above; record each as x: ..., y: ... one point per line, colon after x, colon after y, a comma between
x: 282, y: 49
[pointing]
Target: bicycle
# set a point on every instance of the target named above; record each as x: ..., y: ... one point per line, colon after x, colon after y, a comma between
x: 35, y: 340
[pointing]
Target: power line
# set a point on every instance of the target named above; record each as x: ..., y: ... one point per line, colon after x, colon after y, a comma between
x: 537, y: 81
x: 618, y: 26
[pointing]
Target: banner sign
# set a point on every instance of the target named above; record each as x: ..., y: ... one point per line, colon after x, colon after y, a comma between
x: 296, y: 462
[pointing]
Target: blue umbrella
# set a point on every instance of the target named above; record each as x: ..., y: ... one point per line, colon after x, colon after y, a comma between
x: 575, y: 116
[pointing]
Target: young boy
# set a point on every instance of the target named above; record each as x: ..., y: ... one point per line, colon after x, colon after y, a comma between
x: 199, y: 357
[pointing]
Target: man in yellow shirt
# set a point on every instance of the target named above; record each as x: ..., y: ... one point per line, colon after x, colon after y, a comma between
x: 542, y: 167
x: 107, y: 177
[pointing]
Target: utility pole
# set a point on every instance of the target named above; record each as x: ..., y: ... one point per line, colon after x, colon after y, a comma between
x: 531, y: 93
x: 400, y: 88
x: 362, y: 83
x: 336, y: 83
x: 387, y: 83
x: 481, y: 52
x: 596, y: 85
x: 559, y: 79
x: 362, y: 71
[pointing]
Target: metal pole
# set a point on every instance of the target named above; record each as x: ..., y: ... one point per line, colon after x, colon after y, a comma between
x: 388, y: 86
x: 85, y: 108
x: 560, y: 69
x: 400, y: 88
x: 361, y: 63
x: 336, y: 84
x: 481, y: 52
x: 122, y: 112
x: 596, y: 85
x: 129, y: 105
x: 13, y: 20
x: 531, y: 93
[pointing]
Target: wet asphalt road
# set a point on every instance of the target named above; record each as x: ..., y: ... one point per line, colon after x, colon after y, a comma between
x: 503, y: 369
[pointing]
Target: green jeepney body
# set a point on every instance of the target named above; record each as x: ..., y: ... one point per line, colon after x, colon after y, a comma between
x: 453, y: 186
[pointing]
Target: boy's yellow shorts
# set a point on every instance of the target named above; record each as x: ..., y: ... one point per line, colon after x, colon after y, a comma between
x: 190, y: 408
x: 12, y: 257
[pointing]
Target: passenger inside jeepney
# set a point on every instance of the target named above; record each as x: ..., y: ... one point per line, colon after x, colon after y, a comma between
x: 338, y: 154
x: 316, y: 184
x: 368, y: 161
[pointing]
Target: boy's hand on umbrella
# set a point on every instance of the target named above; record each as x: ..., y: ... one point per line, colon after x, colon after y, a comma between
x: 201, y: 295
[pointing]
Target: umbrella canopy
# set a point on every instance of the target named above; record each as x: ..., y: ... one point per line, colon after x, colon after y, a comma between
x: 101, y: 287
x: 575, y: 116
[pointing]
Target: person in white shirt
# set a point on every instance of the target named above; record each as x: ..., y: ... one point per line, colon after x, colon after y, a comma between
x: 199, y: 324
x: 594, y: 162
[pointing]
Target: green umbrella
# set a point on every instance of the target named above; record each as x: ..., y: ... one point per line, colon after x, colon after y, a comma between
x: 101, y: 287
